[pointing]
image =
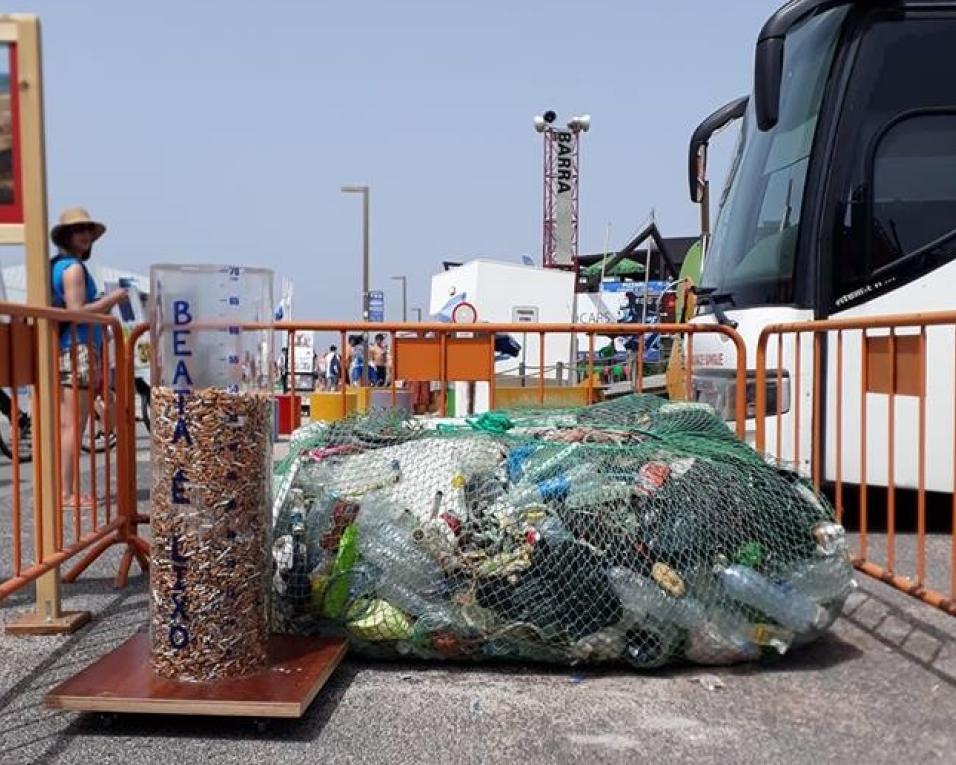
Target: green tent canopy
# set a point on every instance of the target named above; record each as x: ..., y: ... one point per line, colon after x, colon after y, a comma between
x: 624, y: 267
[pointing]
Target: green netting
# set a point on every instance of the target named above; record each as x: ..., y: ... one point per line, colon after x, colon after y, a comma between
x: 635, y: 530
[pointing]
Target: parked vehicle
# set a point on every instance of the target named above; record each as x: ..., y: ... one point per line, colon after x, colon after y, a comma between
x: 840, y: 203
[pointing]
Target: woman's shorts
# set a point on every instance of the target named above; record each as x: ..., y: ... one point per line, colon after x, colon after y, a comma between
x: 87, y: 368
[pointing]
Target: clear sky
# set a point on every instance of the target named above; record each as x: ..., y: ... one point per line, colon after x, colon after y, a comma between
x: 222, y: 131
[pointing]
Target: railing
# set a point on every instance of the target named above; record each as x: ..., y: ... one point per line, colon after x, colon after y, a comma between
x: 872, y: 415
x: 444, y: 353
x: 63, y: 522
x: 852, y: 383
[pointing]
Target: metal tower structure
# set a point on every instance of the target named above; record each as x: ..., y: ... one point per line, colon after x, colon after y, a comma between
x: 561, y: 188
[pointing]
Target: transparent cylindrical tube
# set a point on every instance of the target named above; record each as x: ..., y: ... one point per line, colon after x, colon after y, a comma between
x: 211, y: 490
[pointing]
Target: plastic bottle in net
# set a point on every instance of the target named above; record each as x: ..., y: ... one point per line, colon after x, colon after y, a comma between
x: 785, y: 605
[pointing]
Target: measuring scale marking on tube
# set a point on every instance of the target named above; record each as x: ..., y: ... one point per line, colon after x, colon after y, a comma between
x: 211, y: 494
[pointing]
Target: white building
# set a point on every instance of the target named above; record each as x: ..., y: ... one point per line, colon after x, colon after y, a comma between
x: 506, y: 293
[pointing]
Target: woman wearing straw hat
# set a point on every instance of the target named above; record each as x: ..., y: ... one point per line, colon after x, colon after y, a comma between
x: 75, y: 290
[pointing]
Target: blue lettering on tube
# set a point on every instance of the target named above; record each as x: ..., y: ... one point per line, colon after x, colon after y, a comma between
x: 179, y: 342
x: 175, y: 556
x: 181, y: 313
x: 178, y: 636
x: 179, y: 487
x: 181, y: 371
x: 182, y: 432
x: 179, y: 609
x: 180, y: 585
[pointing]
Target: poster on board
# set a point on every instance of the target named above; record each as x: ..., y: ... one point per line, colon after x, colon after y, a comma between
x: 303, y: 350
x: 11, y: 201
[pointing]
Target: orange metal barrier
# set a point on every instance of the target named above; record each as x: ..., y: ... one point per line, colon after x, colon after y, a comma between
x: 446, y: 353
x: 419, y: 353
x: 877, y: 377
x: 84, y: 386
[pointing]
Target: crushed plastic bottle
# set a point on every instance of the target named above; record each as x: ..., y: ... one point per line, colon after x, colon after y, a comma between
x: 651, y: 644
x: 722, y: 631
x: 297, y: 512
x: 577, y: 483
x: 389, y: 477
x: 337, y: 593
x: 785, y: 605
x: 299, y: 587
x: 547, y: 463
x: 606, y: 645
x: 517, y: 457
x: 828, y: 582
x: 377, y: 620
x: 407, y: 576
x: 823, y: 580
x: 596, y: 491
x: 553, y: 531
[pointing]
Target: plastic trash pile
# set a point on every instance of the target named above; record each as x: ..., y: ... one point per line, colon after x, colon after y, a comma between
x: 635, y: 530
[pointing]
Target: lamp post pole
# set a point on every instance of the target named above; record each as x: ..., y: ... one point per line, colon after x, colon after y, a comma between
x: 419, y: 312
x: 365, y: 192
x: 404, y: 281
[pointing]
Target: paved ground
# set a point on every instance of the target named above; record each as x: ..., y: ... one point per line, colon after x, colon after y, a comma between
x: 880, y: 688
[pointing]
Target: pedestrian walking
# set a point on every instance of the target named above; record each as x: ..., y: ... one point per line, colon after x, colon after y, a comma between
x: 333, y: 368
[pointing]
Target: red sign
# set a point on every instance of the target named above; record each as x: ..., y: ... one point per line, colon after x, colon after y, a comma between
x: 11, y: 176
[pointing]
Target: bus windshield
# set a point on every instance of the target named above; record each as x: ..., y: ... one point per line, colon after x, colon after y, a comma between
x: 751, y: 254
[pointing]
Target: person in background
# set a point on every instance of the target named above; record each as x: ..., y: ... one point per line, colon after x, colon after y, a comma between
x: 378, y: 356
x: 333, y: 368
x: 356, y: 360
x: 75, y: 290
x: 318, y: 372
x: 284, y: 370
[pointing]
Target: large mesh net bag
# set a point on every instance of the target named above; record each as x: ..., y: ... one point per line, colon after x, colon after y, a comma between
x: 635, y: 530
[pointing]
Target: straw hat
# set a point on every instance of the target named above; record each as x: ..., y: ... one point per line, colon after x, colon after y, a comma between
x: 74, y: 216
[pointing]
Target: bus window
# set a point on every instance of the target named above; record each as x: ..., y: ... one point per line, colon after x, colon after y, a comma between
x: 914, y: 193
x: 892, y: 168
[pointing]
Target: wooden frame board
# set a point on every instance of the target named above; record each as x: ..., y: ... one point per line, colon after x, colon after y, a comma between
x: 123, y: 681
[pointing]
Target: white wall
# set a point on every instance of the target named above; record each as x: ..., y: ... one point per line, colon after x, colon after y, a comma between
x: 495, y: 288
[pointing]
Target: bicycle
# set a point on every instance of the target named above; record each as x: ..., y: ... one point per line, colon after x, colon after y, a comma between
x: 25, y: 436
x: 25, y: 433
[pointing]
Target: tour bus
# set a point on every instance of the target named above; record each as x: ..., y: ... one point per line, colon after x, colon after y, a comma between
x: 840, y: 202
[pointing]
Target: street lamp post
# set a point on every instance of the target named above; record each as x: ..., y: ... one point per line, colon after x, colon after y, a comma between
x: 419, y: 312
x: 404, y: 281
x: 364, y: 191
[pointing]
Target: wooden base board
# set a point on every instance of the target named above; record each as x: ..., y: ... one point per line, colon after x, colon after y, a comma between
x: 35, y: 624
x: 123, y: 681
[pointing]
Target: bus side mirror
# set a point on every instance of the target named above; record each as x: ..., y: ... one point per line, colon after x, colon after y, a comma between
x: 768, y: 71
x: 768, y: 63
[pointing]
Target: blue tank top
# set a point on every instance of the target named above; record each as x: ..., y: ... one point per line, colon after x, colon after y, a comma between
x: 58, y: 268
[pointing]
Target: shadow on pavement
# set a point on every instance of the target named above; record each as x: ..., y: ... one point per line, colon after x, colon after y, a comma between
x: 85, y: 585
x: 73, y: 654
x: 905, y: 633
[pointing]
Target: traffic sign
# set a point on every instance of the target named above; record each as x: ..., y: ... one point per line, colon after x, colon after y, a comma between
x: 376, y: 306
